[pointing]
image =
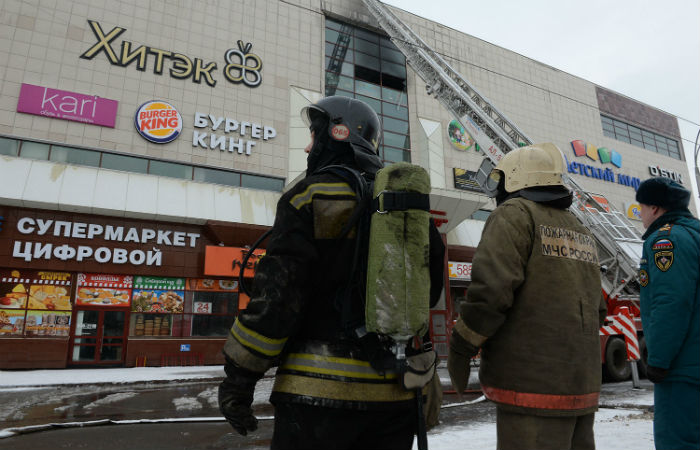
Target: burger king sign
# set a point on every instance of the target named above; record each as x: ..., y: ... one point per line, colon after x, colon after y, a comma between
x: 158, y: 122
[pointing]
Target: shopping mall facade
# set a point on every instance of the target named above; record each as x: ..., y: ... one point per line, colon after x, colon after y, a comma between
x: 142, y: 148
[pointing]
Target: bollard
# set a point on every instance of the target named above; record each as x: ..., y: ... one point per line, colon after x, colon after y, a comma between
x: 635, y: 375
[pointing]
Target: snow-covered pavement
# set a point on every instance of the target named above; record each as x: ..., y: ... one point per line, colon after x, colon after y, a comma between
x: 615, y: 429
x: 623, y: 421
x: 24, y: 378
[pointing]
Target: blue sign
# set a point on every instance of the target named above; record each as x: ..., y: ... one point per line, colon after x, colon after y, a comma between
x: 184, y: 347
x: 600, y: 174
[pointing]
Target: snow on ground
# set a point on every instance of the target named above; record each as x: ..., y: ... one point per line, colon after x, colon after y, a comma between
x: 186, y: 403
x: 211, y: 395
x: 112, y: 398
x: 615, y: 429
x: 22, y: 378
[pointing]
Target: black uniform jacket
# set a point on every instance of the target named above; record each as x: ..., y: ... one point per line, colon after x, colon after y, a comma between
x: 294, y: 318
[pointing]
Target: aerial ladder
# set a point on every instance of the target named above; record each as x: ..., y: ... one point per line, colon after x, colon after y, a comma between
x: 340, y: 49
x: 619, y: 243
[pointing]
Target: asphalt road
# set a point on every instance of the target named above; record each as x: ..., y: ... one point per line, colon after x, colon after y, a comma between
x: 195, y: 421
x: 153, y: 402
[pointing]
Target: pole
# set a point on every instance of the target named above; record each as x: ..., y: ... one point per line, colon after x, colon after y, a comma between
x: 635, y: 375
x: 695, y: 160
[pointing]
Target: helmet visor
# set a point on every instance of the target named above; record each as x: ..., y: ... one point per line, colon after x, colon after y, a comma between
x: 491, y: 185
x: 488, y: 178
x: 310, y: 113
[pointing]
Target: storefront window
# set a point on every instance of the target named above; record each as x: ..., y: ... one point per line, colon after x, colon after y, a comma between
x: 162, y: 301
x: 34, y: 303
x: 75, y: 156
x: 211, y: 306
x: 257, y: 182
x: 155, y: 325
x: 8, y: 147
x: 170, y: 307
x: 125, y: 163
x: 153, y: 307
x: 209, y: 325
x: 217, y: 176
x: 34, y: 150
x: 167, y: 169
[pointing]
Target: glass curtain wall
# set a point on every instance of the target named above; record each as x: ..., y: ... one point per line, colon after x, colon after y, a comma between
x: 369, y: 67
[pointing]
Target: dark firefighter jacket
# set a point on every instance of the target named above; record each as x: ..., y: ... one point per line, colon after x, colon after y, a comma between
x: 534, y: 307
x: 294, y: 317
x: 670, y: 295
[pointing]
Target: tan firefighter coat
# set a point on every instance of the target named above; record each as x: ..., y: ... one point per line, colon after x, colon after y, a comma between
x: 534, y: 307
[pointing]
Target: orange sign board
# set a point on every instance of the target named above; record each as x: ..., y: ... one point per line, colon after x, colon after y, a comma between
x: 226, y: 261
x: 210, y: 284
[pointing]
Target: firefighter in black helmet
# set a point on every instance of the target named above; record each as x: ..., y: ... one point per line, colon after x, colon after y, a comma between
x: 346, y: 131
x: 306, y: 304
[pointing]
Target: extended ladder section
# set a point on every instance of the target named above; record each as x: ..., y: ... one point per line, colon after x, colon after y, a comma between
x: 336, y: 61
x: 619, y: 243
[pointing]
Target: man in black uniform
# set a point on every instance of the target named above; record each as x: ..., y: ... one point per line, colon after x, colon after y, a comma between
x: 306, y: 303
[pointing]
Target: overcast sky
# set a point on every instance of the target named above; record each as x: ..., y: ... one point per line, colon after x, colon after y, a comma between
x: 647, y: 50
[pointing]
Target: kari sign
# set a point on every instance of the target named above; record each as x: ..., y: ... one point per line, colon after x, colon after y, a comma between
x: 58, y: 104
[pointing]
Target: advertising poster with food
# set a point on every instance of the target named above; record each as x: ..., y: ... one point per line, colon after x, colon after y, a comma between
x: 13, y: 296
x: 43, y: 323
x: 49, y: 297
x: 157, y: 301
x: 96, y: 289
x: 212, y: 284
x: 103, y: 297
x: 14, y: 288
x: 101, y: 280
x: 35, y: 289
x: 11, y: 322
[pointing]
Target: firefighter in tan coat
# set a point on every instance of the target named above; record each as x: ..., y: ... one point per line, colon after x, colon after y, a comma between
x: 533, y: 309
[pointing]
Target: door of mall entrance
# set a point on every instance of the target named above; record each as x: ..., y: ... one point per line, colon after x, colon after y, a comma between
x: 99, y: 337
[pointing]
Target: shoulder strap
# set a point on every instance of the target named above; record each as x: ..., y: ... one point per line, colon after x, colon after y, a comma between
x: 400, y: 201
x: 359, y: 184
x: 359, y: 219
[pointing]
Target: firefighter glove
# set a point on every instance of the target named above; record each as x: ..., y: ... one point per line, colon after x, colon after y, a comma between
x: 656, y: 374
x: 458, y: 359
x: 236, y: 398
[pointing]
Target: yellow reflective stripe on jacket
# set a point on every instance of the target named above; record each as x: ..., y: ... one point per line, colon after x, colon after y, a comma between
x: 305, y: 197
x: 341, y: 390
x: 244, y: 356
x: 256, y: 341
x: 334, y: 366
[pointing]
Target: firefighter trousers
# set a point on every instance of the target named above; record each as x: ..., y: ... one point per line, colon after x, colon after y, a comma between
x: 676, y: 415
x: 517, y: 431
x: 300, y: 426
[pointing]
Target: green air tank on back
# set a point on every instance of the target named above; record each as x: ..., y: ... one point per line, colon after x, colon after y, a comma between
x: 398, y: 274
